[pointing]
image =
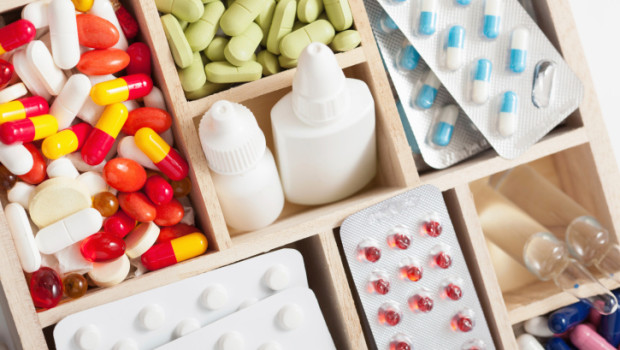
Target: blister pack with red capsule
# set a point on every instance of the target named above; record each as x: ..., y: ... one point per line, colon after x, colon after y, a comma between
x: 411, y: 276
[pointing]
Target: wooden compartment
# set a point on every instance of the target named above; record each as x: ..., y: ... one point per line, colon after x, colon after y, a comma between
x: 580, y: 151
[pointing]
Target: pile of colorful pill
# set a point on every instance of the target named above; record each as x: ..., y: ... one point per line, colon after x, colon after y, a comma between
x: 214, y: 46
x: 574, y: 326
x: 92, y: 174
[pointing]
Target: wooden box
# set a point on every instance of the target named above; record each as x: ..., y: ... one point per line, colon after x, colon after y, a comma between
x: 578, y: 154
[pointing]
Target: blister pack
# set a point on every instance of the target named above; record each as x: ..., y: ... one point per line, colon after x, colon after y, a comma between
x: 288, y: 320
x: 158, y: 316
x: 411, y: 276
x: 408, y: 73
x: 496, y: 63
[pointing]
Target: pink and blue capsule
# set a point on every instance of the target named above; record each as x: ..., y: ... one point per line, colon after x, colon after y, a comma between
x: 482, y: 78
x: 387, y: 24
x: 444, y: 127
x: 463, y: 2
x: 455, y: 48
x: 426, y: 97
x: 428, y: 17
x: 557, y: 344
x: 408, y: 58
x: 518, y: 50
x: 507, y: 123
x: 492, y: 16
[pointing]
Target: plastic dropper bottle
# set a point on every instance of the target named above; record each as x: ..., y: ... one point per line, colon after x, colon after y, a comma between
x: 324, y: 131
x: 528, y: 242
x: 242, y: 167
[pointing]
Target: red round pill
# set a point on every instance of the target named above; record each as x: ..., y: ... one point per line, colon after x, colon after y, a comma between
x: 147, y: 117
x: 45, y: 288
x: 137, y: 206
x: 102, y: 247
x: 96, y: 32
x: 37, y: 174
x: 158, y: 190
x: 443, y: 260
x: 119, y: 224
x: 6, y: 73
x: 170, y: 213
x: 139, y: 59
x: 103, y: 62
x: 124, y: 174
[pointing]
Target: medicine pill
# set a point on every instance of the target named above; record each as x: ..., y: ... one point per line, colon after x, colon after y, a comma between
x: 455, y: 48
x: 122, y: 89
x: 179, y: 47
x: 103, y: 62
x: 294, y: 43
x: 16, y: 158
x: 492, y: 17
x: 507, y: 120
x: 139, y: 59
x: 140, y: 239
x: 75, y: 285
x: 480, y: 85
x: 269, y: 62
x: 102, y: 247
x: 37, y: 172
x: 174, y: 251
x: 158, y: 190
x: 518, y: 50
x: 70, y: 101
x: 29, y: 129
x: 6, y: 73
x: 428, y: 92
x: 16, y: 34
x: 339, y: 14
x: 186, y: 10
x: 193, y: 76
x: 168, y: 160
x: 64, y: 34
x: 96, y: 32
x: 281, y: 24
x: 240, y: 48
x: 45, y: 288
x: 408, y: 57
x: 124, y: 174
x: 107, y: 274
x: 119, y: 224
x: 309, y: 10
x: 42, y: 64
x: 428, y: 17
x: 215, y: 50
x: 69, y: 230
x: 200, y: 33
x: 239, y: 15
x: 22, y: 108
x: 226, y: 73
x: 103, y: 135
x: 19, y: 226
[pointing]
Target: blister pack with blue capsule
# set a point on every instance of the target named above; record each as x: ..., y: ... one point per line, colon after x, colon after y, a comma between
x: 444, y: 134
x: 496, y: 63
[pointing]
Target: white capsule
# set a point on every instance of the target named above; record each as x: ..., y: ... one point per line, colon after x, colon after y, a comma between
x: 480, y: 84
x: 131, y: 105
x: 69, y: 230
x: 127, y: 148
x: 455, y: 48
x: 507, y: 121
x: 40, y: 59
x: 16, y: 158
x: 13, y: 92
x: 104, y: 9
x: 528, y: 342
x: 21, y: 193
x: 538, y: 326
x: 62, y: 167
x: 80, y: 165
x: 518, y: 50
x: 36, y: 13
x: 64, y: 33
x: 70, y: 100
x: 20, y: 229
x: 27, y: 75
x: 155, y: 99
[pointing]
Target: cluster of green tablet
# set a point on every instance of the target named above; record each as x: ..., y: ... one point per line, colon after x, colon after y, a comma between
x: 214, y: 45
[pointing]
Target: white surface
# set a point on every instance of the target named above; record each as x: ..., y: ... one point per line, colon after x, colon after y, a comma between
x: 596, y: 23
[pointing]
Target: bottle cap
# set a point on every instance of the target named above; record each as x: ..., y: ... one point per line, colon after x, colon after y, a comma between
x: 231, y: 139
x: 319, y: 93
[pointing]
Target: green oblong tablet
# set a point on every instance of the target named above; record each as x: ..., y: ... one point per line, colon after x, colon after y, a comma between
x: 207, y: 89
x: 339, y: 14
x: 308, y: 11
x: 281, y: 25
x: 215, y: 50
x: 239, y: 15
x: 345, y: 41
x: 264, y: 19
x: 298, y: 24
x: 200, y: 33
x: 286, y: 62
x: 183, y: 24
x: 269, y: 62
x: 240, y: 48
x: 226, y: 73
x: 193, y: 77
x: 179, y: 47
x: 185, y: 10
x: 294, y: 43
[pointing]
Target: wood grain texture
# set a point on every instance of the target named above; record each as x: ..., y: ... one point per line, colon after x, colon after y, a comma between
x: 7, y: 5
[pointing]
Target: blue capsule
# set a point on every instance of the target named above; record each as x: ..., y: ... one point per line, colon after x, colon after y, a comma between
x: 480, y: 86
x: 609, y: 327
x: 507, y: 122
x: 455, y: 47
x: 463, y: 2
x: 428, y: 92
x: 387, y: 24
x: 444, y: 127
x: 568, y: 317
x: 407, y: 126
x: 408, y: 58
x: 518, y: 50
x: 428, y: 17
x: 557, y: 344
x: 492, y: 16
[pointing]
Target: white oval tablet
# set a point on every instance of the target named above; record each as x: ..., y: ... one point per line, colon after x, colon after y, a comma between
x: 64, y: 33
x: 27, y: 75
x: 13, y: 92
x: 16, y: 158
x: 140, y: 239
x: 70, y: 100
x: 21, y: 193
x: 62, y: 167
x: 26, y: 247
x: 40, y: 59
x: 155, y: 99
x: 72, y: 229
x: 539, y: 327
x: 107, y: 274
x: 36, y: 13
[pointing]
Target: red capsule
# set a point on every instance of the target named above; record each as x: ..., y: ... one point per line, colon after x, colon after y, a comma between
x: 16, y: 34
x: 6, y: 73
x: 147, y: 117
x: 137, y: 206
x: 168, y: 233
x: 128, y: 24
x: 170, y: 213
x: 124, y: 174
x: 103, y: 62
x: 45, y: 288
x: 102, y: 247
x: 139, y: 59
x: 158, y: 190
x: 119, y: 224
x: 96, y: 32
x: 37, y: 174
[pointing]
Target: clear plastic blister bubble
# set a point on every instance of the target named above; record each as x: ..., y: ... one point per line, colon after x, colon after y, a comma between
x: 501, y: 24
x: 466, y: 139
x: 426, y: 306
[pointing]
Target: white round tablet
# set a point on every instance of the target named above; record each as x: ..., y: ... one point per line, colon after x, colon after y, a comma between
x: 185, y: 327
x: 290, y: 317
x: 88, y: 337
x: 214, y: 297
x: 126, y: 344
x: 231, y: 341
x: 152, y: 317
x: 277, y: 277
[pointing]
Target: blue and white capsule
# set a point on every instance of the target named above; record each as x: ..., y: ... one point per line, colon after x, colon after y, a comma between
x: 428, y: 92
x: 455, y: 48
x: 481, y: 83
x: 444, y: 126
x: 518, y: 50
x: 408, y: 57
x: 507, y: 122
x: 463, y: 2
x: 492, y: 17
x: 428, y: 17
x: 387, y: 24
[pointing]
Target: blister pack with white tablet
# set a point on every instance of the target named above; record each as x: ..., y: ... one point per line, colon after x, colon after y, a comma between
x: 411, y: 276
x: 156, y: 317
x: 288, y: 320
x: 497, y: 64
x: 446, y: 136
